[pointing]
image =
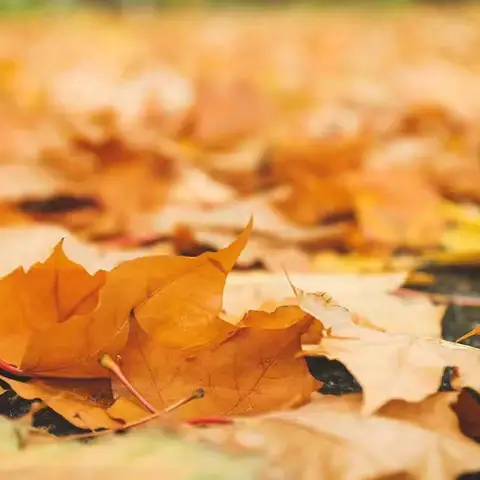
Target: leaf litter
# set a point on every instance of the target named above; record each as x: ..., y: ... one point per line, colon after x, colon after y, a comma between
x: 123, y: 301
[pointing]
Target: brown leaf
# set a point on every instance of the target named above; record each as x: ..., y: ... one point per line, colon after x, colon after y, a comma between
x: 71, y: 348
x: 126, y: 411
x: 83, y: 403
x: 467, y: 409
x: 252, y: 369
x: 183, y: 296
x: 46, y: 295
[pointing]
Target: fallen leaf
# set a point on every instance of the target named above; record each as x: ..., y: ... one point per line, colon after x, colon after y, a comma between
x: 182, y: 297
x: 20, y: 182
x: 126, y: 411
x: 318, y: 442
x: 46, y: 295
x: 233, y: 216
x: 83, y: 403
x: 467, y: 408
x: 388, y: 365
x: 367, y: 296
x: 71, y: 348
x: 249, y: 370
x: 434, y: 413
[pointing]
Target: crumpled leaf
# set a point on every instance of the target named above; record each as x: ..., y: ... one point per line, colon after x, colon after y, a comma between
x: 388, y: 365
x: 251, y: 369
x: 334, y: 440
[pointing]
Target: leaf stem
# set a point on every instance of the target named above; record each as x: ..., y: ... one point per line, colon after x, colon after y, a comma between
x: 197, y: 394
x: 6, y: 367
x: 471, y: 333
x: 106, y: 361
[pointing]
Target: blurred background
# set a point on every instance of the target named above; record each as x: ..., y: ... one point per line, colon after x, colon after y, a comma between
x: 349, y: 130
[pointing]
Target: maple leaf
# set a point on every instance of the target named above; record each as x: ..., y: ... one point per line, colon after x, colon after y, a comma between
x: 155, y: 286
x: 388, y: 365
x: 48, y: 295
x: 83, y: 403
x: 367, y: 296
x: 249, y: 369
x: 330, y: 438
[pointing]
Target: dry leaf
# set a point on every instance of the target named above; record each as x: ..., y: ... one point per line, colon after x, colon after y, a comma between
x: 388, y: 365
x: 367, y: 296
x: 46, y: 295
x: 232, y: 217
x: 83, y: 403
x: 467, y: 409
x: 252, y: 369
x: 182, y: 297
x: 72, y: 348
x: 434, y: 413
x: 322, y: 443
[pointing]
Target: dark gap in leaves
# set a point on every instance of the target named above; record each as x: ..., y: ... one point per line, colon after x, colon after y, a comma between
x: 402, y: 251
x: 459, y: 320
x: 460, y: 279
x: 13, y: 406
x: 58, y: 204
x: 467, y: 409
x: 470, y: 476
x: 194, y: 250
x: 447, y: 377
x: 11, y: 376
x: 338, y: 218
x: 337, y: 379
x: 257, y: 265
x: 151, y: 242
x: 55, y: 423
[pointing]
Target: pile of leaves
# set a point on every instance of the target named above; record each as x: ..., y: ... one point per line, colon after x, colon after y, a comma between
x: 150, y: 340
x: 338, y: 131
x: 131, y: 164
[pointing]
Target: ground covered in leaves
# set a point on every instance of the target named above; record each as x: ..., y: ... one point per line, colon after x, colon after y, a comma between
x: 240, y: 245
